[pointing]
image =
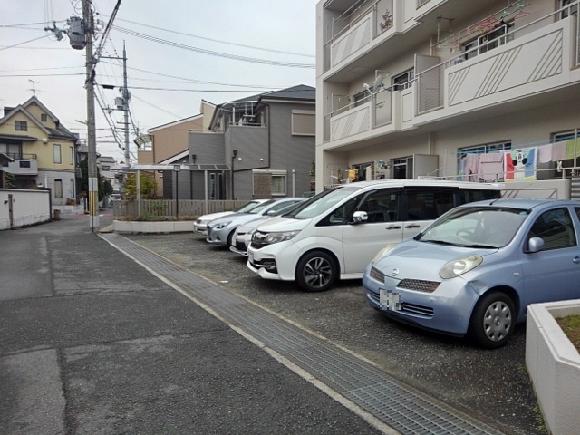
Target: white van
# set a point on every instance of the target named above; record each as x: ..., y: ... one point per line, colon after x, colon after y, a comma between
x: 336, y: 233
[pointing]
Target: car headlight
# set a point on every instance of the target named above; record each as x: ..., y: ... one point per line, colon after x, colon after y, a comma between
x: 460, y: 267
x: 382, y: 253
x: 221, y: 225
x: 272, y: 238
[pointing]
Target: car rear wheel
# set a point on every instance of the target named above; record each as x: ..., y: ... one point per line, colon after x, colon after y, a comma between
x: 316, y: 271
x: 493, y: 320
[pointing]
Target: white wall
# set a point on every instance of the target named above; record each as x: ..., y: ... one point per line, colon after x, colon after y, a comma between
x: 30, y: 207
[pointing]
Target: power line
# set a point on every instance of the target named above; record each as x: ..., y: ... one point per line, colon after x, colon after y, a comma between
x: 219, y: 41
x: 39, y: 69
x: 224, y: 91
x: 156, y: 107
x: 35, y: 48
x: 6, y: 47
x: 194, y: 49
x: 42, y: 75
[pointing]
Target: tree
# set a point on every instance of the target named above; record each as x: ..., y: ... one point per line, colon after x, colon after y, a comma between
x: 148, y: 186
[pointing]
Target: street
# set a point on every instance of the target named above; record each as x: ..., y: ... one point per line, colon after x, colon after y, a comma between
x: 92, y: 343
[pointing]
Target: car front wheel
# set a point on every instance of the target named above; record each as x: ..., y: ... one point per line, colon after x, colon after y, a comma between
x: 316, y: 271
x: 493, y: 320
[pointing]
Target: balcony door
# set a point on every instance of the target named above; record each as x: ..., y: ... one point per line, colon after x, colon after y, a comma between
x: 11, y: 149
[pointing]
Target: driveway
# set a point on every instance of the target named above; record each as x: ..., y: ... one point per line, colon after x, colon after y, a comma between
x: 490, y: 385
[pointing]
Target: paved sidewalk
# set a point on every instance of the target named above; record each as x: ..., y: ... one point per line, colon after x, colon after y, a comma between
x: 91, y: 343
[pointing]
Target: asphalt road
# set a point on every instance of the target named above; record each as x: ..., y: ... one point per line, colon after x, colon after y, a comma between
x: 490, y: 385
x: 92, y: 343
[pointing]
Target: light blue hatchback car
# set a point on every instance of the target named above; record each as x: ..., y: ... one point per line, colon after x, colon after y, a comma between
x: 476, y: 269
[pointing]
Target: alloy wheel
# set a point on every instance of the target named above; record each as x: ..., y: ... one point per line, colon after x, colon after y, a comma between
x: 317, y: 272
x: 497, y: 321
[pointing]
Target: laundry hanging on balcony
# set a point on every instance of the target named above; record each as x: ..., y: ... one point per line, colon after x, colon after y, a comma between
x: 521, y: 164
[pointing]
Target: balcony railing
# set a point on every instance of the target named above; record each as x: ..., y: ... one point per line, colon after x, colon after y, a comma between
x: 21, y: 156
x: 536, y: 50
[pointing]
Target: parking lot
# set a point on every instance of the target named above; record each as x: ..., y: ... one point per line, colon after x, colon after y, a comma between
x: 490, y: 385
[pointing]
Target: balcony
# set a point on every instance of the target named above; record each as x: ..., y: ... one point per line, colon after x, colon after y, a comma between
x: 532, y: 60
x: 23, y: 164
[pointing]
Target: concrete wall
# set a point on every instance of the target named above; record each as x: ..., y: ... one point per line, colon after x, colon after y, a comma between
x: 208, y: 147
x: 46, y: 179
x: 29, y: 207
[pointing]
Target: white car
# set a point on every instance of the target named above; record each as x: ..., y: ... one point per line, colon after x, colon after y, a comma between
x: 243, y: 235
x: 200, y: 225
x: 336, y: 233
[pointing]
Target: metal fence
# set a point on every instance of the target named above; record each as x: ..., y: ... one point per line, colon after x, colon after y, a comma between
x: 170, y: 209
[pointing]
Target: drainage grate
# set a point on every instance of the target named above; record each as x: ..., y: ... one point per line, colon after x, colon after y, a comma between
x: 397, y: 405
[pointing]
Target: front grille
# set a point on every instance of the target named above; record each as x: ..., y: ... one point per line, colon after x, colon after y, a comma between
x: 417, y: 309
x: 377, y: 275
x: 418, y: 285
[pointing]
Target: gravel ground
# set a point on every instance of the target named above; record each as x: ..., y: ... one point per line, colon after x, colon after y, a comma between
x: 491, y: 385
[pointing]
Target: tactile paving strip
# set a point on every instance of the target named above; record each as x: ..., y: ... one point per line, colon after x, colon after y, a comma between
x: 397, y: 405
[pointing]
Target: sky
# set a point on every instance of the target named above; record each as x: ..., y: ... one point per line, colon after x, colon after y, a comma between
x: 275, y: 26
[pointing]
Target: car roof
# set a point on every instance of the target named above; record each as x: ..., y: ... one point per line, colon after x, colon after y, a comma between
x: 422, y: 183
x: 525, y: 203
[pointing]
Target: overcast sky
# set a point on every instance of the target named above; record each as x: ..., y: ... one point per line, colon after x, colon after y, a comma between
x: 284, y: 25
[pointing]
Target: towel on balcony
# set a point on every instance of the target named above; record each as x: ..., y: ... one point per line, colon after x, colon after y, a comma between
x: 545, y: 153
x: 491, y: 166
x: 471, y: 167
x: 558, y: 151
x: 572, y: 149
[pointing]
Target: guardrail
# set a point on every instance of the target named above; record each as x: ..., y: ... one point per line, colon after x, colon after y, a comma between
x: 170, y: 209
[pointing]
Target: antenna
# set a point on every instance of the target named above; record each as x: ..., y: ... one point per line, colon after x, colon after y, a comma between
x: 33, y: 90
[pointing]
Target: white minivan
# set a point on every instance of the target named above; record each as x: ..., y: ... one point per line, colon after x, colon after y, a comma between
x: 336, y: 233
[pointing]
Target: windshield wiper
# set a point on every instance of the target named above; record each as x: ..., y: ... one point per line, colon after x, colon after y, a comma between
x: 439, y: 242
x: 479, y: 246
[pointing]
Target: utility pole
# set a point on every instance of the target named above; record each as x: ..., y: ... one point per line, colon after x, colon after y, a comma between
x: 91, y: 138
x: 126, y: 99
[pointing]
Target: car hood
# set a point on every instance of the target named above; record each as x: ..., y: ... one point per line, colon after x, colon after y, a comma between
x: 236, y: 219
x: 251, y: 226
x: 212, y: 216
x: 418, y: 260
x: 280, y: 224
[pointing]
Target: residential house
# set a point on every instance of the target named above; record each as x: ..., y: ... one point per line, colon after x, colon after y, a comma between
x: 4, y: 161
x: 266, y: 141
x: 42, y: 149
x: 411, y: 88
x: 110, y: 170
x: 172, y: 138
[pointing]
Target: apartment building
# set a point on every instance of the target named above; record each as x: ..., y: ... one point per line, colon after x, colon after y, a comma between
x: 256, y: 147
x: 42, y: 151
x: 478, y: 89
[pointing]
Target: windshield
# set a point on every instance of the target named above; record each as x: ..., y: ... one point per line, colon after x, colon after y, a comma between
x: 262, y: 207
x: 476, y: 227
x: 320, y: 203
x: 246, y: 208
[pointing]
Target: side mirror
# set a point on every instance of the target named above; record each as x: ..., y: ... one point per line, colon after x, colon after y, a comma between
x: 535, y: 244
x: 359, y: 217
x: 270, y: 212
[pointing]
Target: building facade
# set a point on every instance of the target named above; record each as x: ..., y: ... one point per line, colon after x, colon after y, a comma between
x: 42, y: 150
x: 478, y: 90
x: 256, y: 147
x: 168, y: 140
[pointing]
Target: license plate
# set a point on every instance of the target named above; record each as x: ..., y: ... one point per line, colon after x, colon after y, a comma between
x: 390, y: 301
x: 251, y: 258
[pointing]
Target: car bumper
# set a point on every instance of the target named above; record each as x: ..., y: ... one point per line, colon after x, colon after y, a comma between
x: 260, y: 259
x: 448, y: 309
x: 200, y: 229
x: 235, y: 250
x: 218, y: 237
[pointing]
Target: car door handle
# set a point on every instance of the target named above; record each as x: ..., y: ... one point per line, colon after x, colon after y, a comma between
x: 393, y: 227
x: 413, y: 226
x: 576, y: 260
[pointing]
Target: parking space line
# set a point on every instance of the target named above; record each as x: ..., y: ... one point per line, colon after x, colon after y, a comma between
x: 378, y: 398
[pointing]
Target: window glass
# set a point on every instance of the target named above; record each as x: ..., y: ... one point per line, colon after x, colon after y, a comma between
x: 21, y: 125
x: 303, y: 123
x: 260, y: 208
x: 381, y: 206
x: 281, y: 206
x: 56, y: 154
x: 478, y: 227
x: 403, y: 80
x: 467, y: 196
x: 320, y: 203
x: 278, y: 184
x: 556, y: 228
x: 428, y: 204
x: 245, y: 208
x: 43, y: 117
x: 343, y: 214
x: 578, y: 212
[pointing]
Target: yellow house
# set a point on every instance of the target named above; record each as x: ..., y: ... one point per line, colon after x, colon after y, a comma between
x: 42, y: 150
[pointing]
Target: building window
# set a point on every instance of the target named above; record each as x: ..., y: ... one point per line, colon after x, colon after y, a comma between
x: 360, y: 98
x: 484, y: 149
x: 278, y: 185
x: 21, y: 126
x: 14, y: 151
x: 58, y: 188
x: 560, y: 136
x: 56, y: 153
x: 488, y: 41
x: 572, y: 10
x: 43, y: 117
x: 403, y: 80
x: 303, y: 123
